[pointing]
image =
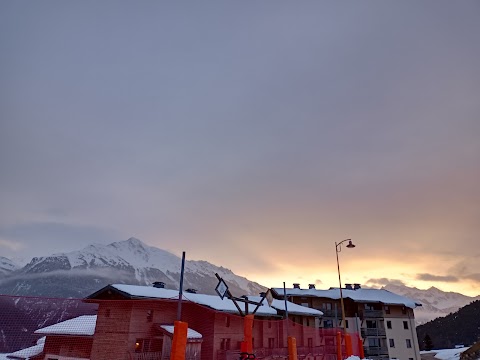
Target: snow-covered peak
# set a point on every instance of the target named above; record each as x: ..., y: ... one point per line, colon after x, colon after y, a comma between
x: 132, y: 261
x: 436, y: 303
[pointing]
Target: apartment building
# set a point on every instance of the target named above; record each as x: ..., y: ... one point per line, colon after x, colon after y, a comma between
x: 385, y: 320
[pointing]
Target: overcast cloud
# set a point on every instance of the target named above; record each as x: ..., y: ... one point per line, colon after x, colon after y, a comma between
x: 253, y: 136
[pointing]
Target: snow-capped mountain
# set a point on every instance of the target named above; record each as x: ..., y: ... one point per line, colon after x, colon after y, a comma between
x: 7, y: 265
x: 435, y: 302
x: 130, y: 261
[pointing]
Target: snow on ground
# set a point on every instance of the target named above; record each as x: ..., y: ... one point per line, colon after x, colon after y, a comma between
x: 4, y: 357
x: 446, y: 354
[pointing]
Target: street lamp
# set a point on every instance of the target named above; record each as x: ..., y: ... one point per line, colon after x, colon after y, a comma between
x: 338, y: 248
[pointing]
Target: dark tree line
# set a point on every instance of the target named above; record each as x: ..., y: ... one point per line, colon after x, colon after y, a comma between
x: 461, y: 327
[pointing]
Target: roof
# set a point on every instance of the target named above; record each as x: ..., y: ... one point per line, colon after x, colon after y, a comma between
x: 28, y: 352
x: 81, y: 326
x: 360, y: 295
x: 212, y: 301
x: 191, y: 334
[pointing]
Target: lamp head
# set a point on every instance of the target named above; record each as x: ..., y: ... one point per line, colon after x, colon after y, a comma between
x: 350, y: 245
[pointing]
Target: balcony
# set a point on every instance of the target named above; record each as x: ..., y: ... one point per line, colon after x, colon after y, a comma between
x: 373, y: 332
x: 331, y: 313
x: 376, y: 350
x: 367, y: 314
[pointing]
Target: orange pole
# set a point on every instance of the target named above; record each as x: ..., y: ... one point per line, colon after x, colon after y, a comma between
x: 348, y: 345
x: 292, y: 348
x: 179, y: 343
x: 339, y: 346
x: 360, y: 348
x: 248, y: 332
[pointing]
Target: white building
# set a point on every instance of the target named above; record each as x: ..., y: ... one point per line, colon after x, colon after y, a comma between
x: 384, y: 320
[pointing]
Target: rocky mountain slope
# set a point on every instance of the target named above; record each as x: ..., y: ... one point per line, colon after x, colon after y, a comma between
x: 130, y: 261
x: 435, y: 302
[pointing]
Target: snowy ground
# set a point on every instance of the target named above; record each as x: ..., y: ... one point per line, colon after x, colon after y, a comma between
x: 446, y: 354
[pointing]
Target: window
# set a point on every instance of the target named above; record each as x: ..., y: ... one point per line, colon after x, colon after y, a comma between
x: 346, y: 323
x: 149, y: 315
x: 227, y: 321
x: 389, y: 324
x: 142, y: 345
x: 328, y: 323
x: 327, y: 306
x: 405, y: 325
x: 391, y: 343
x: 387, y: 309
x: 409, y: 343
x: 373, y: 342
x: 269, y: 324
x: 225, y: 344
x: 410, y: 358
x: 271, y: 343
x: 371, y: 324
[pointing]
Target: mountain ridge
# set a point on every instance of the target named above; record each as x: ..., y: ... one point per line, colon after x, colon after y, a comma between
x: 435, y: 302
x: 128, y: 261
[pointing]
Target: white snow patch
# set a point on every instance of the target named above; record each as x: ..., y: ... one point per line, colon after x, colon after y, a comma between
x: 82, y: 325
x: 446, y: 354
x: 191, y: 334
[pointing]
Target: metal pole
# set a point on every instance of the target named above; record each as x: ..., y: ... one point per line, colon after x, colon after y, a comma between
x: 286, y: 309
x: 180, y: 292
x: 341, y: 294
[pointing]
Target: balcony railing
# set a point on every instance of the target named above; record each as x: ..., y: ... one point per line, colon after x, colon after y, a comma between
x: 331, y: 313
x: 153, y: 355
x: 372, y: 314
x: 376, y: 350
x: 373, y: 332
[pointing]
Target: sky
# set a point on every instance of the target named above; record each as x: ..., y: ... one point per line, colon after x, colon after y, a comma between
x: 253, y: 135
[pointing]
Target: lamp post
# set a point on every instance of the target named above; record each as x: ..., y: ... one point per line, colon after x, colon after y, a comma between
x: 338, y: 248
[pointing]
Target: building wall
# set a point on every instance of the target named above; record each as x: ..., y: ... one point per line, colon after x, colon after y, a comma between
x: 400, y: 334
x: 111, y: 336
x: 357, y: 317
x: 67, y: 347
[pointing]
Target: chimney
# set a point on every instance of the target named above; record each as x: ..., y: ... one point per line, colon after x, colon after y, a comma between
x: 191, y: 291
x: 311, y: 286
x: 348, y: 286
x: 159, y: 284
x: 296, y: 285
x: 356, y: 286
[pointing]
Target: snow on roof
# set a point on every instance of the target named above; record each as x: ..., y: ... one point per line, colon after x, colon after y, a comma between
x: 82, y: 325
x: 360, y: 295
x: 292, y: 308
x: 214, y: 301
x: 191, y: 334
x: 28, y: 352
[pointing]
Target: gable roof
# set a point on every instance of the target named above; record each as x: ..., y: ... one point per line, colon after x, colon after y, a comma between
x: 360, y: 295
x: 212, y: 301
x: 80, y: 326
